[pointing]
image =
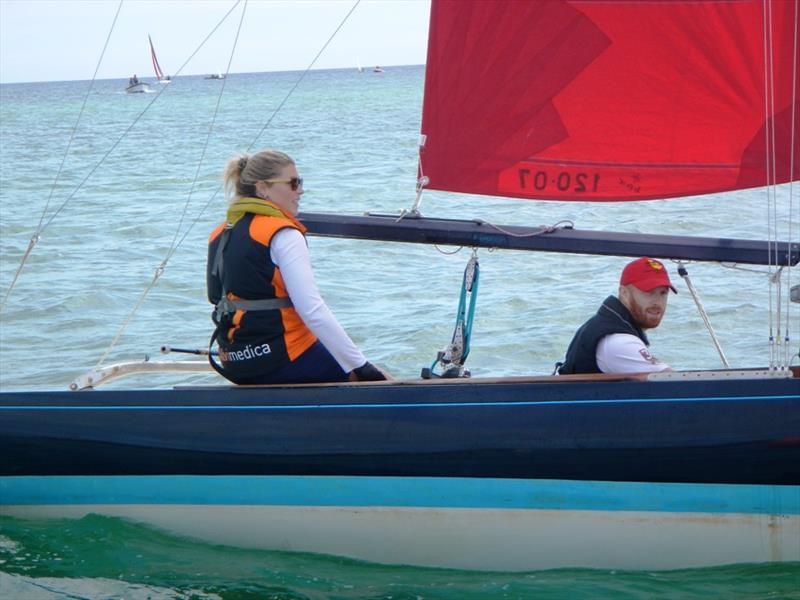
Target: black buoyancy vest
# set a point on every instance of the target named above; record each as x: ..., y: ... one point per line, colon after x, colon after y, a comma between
x: 612, y: 317
x: 258, y: 346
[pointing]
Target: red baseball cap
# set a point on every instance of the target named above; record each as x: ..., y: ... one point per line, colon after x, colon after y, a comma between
x: 646, y: 274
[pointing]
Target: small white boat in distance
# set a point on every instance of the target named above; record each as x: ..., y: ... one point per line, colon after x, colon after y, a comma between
x: 217, y: 75
x: 136, y: 87
x: 377, y: 69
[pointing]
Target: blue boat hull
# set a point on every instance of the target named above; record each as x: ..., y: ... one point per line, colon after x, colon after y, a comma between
x: 699, y: 473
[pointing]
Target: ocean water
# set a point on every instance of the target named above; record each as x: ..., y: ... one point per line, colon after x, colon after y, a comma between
x: 139, y: 188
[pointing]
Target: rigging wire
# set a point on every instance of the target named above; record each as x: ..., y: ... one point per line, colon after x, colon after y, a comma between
x: 36, y: 236
x: 142, y: 113
x: 303, y: 75
x: 159, y: 271
x: 792, y: 147
x: 269, y: 121
x: 769, y: 188
x: 174, y: 246
x: 113, y: 146
x: 771, y: 124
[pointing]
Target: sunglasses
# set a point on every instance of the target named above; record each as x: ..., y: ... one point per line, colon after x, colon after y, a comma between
x: 294, y: 182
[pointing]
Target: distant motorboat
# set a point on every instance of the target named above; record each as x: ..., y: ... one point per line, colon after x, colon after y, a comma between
x: 137, y: 87
x: 377, y: 70
x: 217, y: 75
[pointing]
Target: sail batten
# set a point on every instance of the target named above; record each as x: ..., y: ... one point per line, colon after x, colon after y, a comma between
x: 608, y: 100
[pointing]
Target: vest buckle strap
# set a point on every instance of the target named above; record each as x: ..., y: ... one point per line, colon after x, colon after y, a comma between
x: 226, y: 307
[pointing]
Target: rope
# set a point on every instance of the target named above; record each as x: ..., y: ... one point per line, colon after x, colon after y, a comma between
x: 422, y: 180
x: 158, y: 272
x: 737, y: 267
x: 456, y: 353
x: 542, y: 229
x: 685, y: 275
x: 565, y: 223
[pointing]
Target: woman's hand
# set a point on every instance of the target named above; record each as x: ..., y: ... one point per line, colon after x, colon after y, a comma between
x: 369, y: 372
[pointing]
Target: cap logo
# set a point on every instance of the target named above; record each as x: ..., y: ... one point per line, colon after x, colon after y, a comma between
x: 654, y: 264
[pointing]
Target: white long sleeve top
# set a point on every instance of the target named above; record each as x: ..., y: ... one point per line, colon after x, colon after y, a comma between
x: 626, y: 353
x: 288, y: 250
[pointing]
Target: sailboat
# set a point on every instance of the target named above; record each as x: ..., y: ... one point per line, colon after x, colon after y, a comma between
x: 563, y: 100
x: 157, y: 67
x: 135, y: 86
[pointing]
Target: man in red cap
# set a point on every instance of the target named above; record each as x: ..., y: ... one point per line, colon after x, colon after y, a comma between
x: 614, y: 340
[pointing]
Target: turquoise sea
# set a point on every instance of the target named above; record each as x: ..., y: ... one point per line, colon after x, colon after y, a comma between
x: 139, y: 186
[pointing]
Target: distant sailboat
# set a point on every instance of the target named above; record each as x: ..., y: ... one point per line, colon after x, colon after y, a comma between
x: 358, y: 65
x: 157, y: 67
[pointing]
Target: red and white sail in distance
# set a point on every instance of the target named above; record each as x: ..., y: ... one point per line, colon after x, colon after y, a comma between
x: 156, y: 66
x: 610, y: 100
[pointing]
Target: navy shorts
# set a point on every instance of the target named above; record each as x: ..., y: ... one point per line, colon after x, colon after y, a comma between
x: 315, y: 365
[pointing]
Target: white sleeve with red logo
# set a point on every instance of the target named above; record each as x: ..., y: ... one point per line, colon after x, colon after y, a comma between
x: 288, y: 250
x: 626, y: 353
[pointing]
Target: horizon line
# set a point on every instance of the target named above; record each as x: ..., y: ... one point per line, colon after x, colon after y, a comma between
x: 205, y: 73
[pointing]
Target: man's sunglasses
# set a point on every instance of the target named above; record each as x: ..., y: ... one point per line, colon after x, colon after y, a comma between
x: 294, y: 182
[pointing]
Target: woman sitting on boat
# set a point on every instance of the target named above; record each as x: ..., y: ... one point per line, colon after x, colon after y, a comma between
x: 272, y: 324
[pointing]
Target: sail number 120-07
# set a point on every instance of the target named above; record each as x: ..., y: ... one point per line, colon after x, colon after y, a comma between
x: 562, y: 181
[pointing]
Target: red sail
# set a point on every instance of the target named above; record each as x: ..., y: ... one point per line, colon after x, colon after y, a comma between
x: 610, y: 100
x: 156, y: 66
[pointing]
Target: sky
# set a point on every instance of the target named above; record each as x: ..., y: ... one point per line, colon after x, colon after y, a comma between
x: 62, y: 40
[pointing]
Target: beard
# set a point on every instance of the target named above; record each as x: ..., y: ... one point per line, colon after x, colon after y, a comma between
x: 644, y: 319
